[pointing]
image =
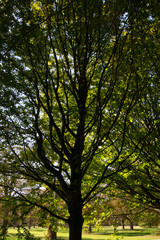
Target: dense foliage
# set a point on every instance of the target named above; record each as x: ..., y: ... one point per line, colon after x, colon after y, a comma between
x: 79, y: 98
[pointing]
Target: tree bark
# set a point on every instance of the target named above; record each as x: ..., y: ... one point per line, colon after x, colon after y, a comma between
x: 123, y: 226
x: 131, y: 224
x: 4, y: 229
x: 51, y: 235
x: 76, y: 218
x: 90, y: 228
x: 29, y: 223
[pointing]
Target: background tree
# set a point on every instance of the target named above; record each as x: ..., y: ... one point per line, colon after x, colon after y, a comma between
x: 149, y: 218
x: 125, y: 211
x: 96, y: 212
x: 72, y: 76
x: 7, y: 184
x: 142, y: 179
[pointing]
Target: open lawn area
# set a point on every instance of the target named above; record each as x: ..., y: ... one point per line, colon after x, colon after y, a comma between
x: 107, y: 233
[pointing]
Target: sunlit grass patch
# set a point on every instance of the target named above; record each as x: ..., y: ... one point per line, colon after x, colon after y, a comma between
x: 107, y: 233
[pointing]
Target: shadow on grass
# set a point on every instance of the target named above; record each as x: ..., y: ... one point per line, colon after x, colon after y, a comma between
x: 126, y: 233
x: 91, y: 239
x: 82, y: 238
x: 134, y: 234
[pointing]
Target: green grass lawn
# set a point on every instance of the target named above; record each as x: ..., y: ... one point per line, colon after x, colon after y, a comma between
x: 106, y: 234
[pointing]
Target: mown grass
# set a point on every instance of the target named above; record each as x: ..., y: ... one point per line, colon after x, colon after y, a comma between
x: 107, y: 233
x: 37, y: 232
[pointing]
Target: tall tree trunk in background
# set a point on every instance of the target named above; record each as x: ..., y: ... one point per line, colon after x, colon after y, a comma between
x: 4, y: 227
x: 90, y: 228
x: 51, y: 235
x: 123, y: 227
x: 29, y: 223
x: 130, y: 223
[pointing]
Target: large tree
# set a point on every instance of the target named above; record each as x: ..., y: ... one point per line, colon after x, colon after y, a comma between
x: 72, y: 74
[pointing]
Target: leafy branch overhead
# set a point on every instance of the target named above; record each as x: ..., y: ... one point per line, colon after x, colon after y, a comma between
x: 77, y: 82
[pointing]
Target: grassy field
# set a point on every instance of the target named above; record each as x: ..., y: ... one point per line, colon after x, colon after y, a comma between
x: 106, y: 234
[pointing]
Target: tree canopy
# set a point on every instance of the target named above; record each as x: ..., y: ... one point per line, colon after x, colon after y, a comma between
x: 76, y: 78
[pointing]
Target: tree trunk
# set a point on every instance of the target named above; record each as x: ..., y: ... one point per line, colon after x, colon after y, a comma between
x: 29, y: 223
x: 5, y: 224
x: 131, y: 224
x: 51, y: 235
x: 4, y: 229
x: 123, y: 227
x: 90, y: 228
x: 76, y: 218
